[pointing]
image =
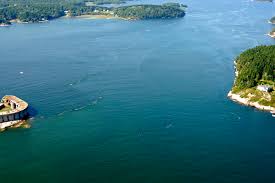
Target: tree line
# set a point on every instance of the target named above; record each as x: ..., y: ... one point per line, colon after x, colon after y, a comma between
x: 254, y: 66
x: 41, y: 10
x: 168, y: 10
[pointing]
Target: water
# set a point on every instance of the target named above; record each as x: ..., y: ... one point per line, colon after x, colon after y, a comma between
x: 137, y: 101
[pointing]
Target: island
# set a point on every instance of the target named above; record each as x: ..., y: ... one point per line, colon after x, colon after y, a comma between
x: 30, y: 11
x: 13, y: 112
x: 255, y: 78
x: 167, y: 10
x: 272, y: 20
x: 272, y: 33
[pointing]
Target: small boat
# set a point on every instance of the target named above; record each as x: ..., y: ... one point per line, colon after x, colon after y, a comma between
x: 273, y: 113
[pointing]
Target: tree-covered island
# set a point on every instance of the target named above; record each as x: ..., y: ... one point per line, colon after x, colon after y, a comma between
x: 44, y: 10
x: 255, y: 78
x: 272, y: 20
x: 167, y: 10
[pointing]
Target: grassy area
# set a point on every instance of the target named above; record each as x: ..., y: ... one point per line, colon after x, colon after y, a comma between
x: 254, y: 95
x: 5, y: 109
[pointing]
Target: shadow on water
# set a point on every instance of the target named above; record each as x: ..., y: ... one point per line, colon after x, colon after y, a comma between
x: 32, y: 112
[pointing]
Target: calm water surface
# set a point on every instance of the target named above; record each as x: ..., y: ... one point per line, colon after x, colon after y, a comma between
x: 137, y: 101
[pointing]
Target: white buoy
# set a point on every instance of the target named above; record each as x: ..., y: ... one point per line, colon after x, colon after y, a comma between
x: 21, y: 72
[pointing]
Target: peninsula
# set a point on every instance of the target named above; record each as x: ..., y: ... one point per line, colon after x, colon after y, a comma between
x: 13, y: 111
x: 39, y: 11
x: 255, y: 78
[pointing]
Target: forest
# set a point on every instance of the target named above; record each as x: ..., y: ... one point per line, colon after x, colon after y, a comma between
x: 33, y: 13
x: 168, y: 10
x: 32, y: 10
x: 42, y: 10
x: 255, y: 66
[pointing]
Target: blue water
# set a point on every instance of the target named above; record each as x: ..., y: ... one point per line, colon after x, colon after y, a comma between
x: 137, y: 101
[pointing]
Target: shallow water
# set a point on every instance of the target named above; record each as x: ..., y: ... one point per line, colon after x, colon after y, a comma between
x: 137, y: 101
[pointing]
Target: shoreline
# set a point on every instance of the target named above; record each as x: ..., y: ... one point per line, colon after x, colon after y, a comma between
x: 271, y: 35
x: 90, y: 17
x: 245, y: 101
x: 95, y: 17
x: 14, y: 124
x: 4, y: 25
x: 21, y: 22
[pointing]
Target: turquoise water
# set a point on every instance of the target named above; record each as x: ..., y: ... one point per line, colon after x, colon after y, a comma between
x: 137, y: 101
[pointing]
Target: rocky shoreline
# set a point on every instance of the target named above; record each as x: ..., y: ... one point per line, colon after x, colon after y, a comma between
x: 247, y: 102
x: 14, y: 124
x: 81, y: 16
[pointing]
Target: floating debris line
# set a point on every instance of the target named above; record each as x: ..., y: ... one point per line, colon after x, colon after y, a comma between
x: 93, y: 103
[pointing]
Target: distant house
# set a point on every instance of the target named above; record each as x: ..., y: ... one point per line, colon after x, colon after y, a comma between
x: 264, y: 88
